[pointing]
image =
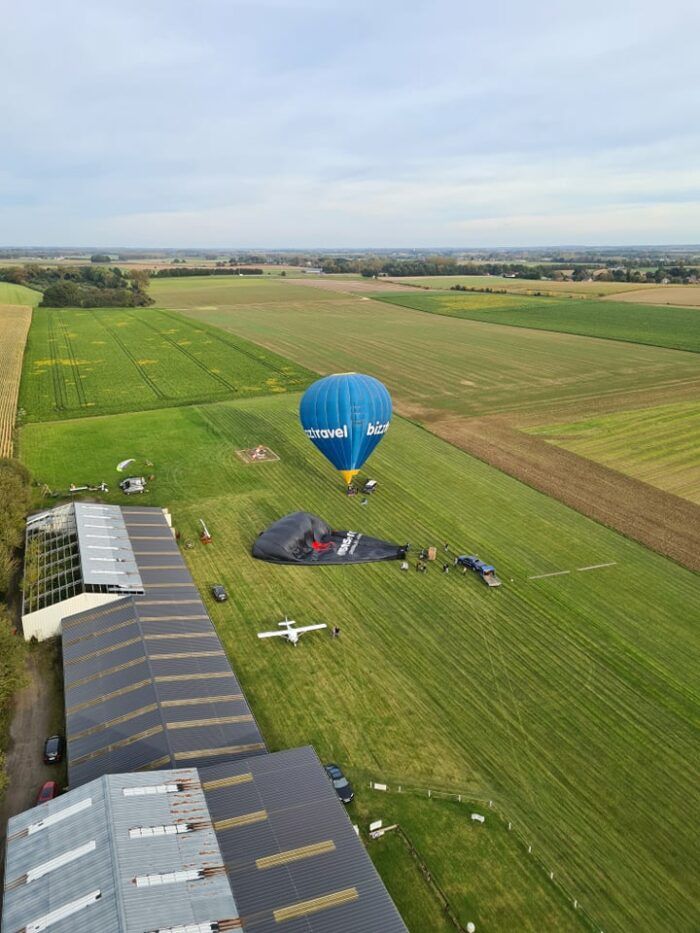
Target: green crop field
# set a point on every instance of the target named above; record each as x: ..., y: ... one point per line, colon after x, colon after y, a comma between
x: 570, y: 700
x: 82, y: 362
x: 18, y: 295
x: 226, y: 291
x: 436, y: 365
x: 658, y: 445
x: 676, y: 328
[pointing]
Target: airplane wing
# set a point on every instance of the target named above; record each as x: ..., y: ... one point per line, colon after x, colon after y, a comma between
x: 310, y: 628
x: 271, y: 634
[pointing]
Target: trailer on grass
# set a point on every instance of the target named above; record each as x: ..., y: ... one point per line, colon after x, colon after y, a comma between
x: 486, y: 571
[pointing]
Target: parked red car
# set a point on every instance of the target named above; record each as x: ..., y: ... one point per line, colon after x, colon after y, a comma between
x: 48, y: 791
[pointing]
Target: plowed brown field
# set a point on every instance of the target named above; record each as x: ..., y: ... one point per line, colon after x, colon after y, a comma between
x: 661, y: 521
x: 14, y: 325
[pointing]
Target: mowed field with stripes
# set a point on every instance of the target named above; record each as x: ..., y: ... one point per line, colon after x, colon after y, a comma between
x: 438, y: 365
x: 570, y: 700
x: 89, y: 362
x: 659, y: 445
x: 479, y: 384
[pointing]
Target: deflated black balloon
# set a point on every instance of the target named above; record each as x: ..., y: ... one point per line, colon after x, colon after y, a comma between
x: 303, y: 538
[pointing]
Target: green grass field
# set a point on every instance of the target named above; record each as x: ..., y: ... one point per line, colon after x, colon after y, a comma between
x: 506, y: 889
x: 676, y: 328
x: 436, y: 365
x: 226, y: 291
x: 572, y: 701
x: 81, y: 362
x: 18, y: 295
x: 657, y: 445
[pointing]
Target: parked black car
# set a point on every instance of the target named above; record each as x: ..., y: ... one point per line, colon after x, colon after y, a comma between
x: 54, y: 747
x: 343, y: 787
x: 219, y: 593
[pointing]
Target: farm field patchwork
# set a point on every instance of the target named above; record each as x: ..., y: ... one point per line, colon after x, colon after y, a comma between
x: 676, y: 328
x: 18, y: 295
x: 14, y: 325
x: 658, y: 445
x: 570, y: 700
x: 475, y: 384
x: 655, y: 294
x: 436, y: 365
x: 686, y: 295
x: 85, y: 362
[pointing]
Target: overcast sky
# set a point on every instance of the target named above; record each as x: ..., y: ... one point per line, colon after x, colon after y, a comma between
x: 367, y: 123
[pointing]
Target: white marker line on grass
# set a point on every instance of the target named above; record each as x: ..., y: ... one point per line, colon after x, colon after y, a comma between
x: 557, y: 573
x: 561, y: 573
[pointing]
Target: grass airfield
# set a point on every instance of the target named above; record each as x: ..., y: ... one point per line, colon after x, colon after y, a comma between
x: 570, y: 700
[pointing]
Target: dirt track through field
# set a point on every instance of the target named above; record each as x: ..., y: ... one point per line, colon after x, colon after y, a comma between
x: 33, y: 719
x: 14, y: 325
x: 659, y: 520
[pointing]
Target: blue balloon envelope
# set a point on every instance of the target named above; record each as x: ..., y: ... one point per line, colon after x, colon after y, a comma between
x: 346, y: 416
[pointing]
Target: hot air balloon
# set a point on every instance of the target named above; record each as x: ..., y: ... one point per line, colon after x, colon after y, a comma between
x: 346, y: 416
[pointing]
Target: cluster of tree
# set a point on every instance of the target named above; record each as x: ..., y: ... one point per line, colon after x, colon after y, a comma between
x: 677, y: 273
x: 169, y: 272
x: 83, y: 286
x: 437, y: 265
x: 15, y: 502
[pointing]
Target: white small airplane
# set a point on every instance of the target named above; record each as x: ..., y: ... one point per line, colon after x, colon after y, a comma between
x: 290, y: 633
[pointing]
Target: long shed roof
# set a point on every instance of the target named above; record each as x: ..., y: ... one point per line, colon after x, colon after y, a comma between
x: 293, y: 858
x: 147, y: 682
x: 130, y: 853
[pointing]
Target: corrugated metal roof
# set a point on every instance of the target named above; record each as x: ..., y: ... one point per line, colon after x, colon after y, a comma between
x: 294, y: 861
x: 147, y: 682
x: 81, y: 855
x: 106, y: 554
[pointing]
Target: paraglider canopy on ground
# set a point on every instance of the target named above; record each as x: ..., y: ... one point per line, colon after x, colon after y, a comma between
x: 303, y: 538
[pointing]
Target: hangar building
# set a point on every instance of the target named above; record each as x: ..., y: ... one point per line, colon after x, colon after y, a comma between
x: 260, y: 845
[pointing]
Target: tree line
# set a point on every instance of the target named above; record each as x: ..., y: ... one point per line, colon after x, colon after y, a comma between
x: 15, y: 502
x: 610, y: 271
x: 83, y: 286
x: 219, y: 269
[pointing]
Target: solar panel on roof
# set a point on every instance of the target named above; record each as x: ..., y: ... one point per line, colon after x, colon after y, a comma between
x: 164, y: 640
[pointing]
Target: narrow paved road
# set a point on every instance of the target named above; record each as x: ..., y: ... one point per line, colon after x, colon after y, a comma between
x: 31, y: 723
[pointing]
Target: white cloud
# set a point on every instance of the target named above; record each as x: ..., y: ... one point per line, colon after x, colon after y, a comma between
x: 319, y: 123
